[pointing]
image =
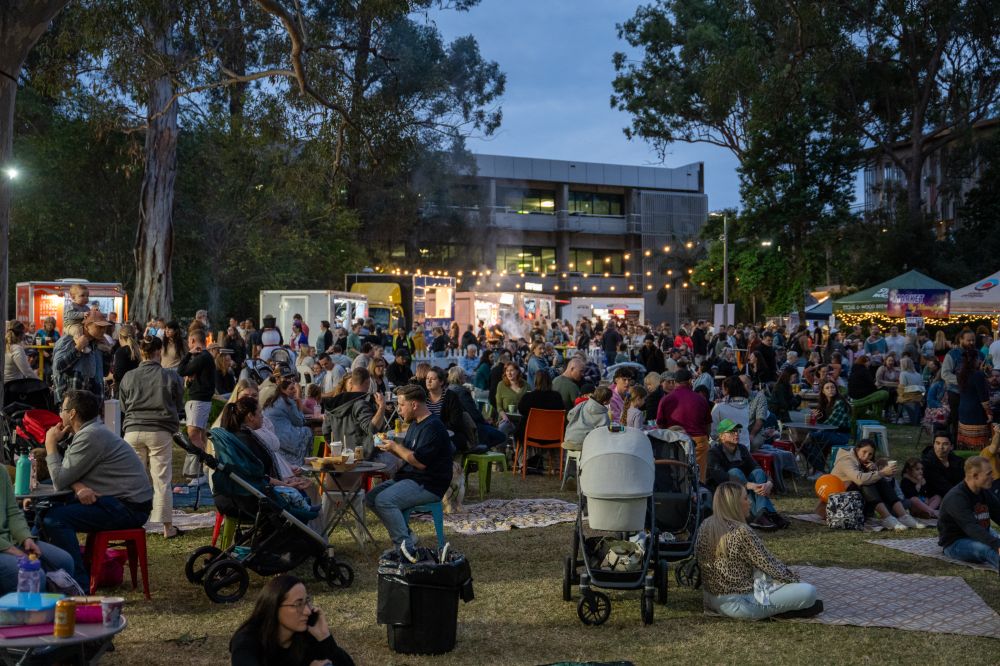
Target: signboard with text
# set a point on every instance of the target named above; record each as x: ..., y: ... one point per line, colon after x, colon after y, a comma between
x: 919, y: 303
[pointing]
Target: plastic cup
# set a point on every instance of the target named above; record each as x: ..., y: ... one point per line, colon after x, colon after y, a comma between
x: 337, y: 448
x: 111, y: 611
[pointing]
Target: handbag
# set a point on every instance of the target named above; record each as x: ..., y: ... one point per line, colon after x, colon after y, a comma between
x: 845, y: 511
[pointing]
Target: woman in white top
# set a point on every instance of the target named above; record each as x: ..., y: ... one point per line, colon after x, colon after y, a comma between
x: 911, y: 390
x: 16, y: 365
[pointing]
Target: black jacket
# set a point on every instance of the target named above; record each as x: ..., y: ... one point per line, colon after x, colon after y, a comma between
x: 860, y: 384
x: 536, y: 400
x: 719, y: 465
x: 201, y: 369
x: 651, y: 358
x: 783, y: 401
x: 965, y: 514
x: 652, y: 403
x: 941, y: 479
x: 398, y: 374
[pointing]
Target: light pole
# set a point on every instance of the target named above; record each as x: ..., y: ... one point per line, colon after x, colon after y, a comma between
x: 725, y: 267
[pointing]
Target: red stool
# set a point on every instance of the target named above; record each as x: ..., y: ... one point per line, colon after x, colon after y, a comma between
x: 766, y: 462
x: 135, y: 542
x: 219, y: 518
x: 784, y: 445
x: 370, y: 479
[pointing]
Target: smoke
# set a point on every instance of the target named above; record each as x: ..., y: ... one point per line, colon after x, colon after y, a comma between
x: 513, y: 327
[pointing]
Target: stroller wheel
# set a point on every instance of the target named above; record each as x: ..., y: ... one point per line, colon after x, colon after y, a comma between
x: 568, y: 579
x: 688, y: 574
x: 198, y: 563
x: 226, y: 581
x: 662, y: 580
x: 336, y: 574
x: 594, y: 609
x: 647, y: 607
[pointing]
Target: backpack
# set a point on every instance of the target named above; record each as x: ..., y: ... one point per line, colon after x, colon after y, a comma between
x: 845, y: 511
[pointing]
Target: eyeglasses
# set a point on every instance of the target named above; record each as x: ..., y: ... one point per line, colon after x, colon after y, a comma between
x: 300, y: 605
x: 65, y: 409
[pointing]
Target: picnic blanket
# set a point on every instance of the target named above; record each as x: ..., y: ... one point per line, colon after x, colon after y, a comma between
x: 912, y: 602
x: 925, y: 547
x: 186, y: 521
x: 870, y: 524
x: 498, y: 515
x: 188, y: 494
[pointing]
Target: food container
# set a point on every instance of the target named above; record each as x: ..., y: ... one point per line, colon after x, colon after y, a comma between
x: 28, y: 608
x: 88, y: 610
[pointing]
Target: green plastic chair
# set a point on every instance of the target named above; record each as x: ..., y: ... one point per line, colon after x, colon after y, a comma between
x: 484, y: 466
x: 869, y: 407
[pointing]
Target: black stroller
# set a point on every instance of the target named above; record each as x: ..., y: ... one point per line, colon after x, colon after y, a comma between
x: 678, y: 510
x: 271, y: 538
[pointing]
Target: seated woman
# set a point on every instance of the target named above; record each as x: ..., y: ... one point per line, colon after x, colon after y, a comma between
x: 280, y: 630
x: 16, y: 542
x: 733, y: 559
x: 509, y: 392
x: 856, y: 467
x: 833, y: 411
x: 887, y: 378
x: 783, y: 400
x: 860, y: 383
x: 543, y: 397
x: 487, y: 435
x: 284, y: 409
x: 943, y: 470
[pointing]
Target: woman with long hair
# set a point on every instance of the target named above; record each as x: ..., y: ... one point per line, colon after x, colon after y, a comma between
x: 152, y: 400
x: 783, y: 398
x: 16, y: 365
x: 856, y: 467
x: 174, y: 345
x: 225, y: 376
x: 376, y: 371
x: 127, y: 356
x: 974, y: 414
x: 832, y: 410
x: 740, y: 578
x: 284, y: 409
x: 281, y: 630
x: 941, y: 345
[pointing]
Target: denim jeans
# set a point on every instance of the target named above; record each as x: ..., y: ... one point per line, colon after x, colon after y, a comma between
x: 53, y: 558
x: 490, y: 436
x: 61, y: 524
x: 758, y: 504
x: 970, y: 550
x: 390, y: 498
x: 819, y: 441
x: 788, y: 597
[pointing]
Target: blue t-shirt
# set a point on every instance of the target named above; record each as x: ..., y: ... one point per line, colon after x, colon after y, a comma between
x: 431, y: 445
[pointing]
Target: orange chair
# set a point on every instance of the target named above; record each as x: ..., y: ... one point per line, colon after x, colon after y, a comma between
x: 544, y: 430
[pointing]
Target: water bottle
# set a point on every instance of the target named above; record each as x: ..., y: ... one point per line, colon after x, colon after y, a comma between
x: 29, y: 574
x: 22, y: 475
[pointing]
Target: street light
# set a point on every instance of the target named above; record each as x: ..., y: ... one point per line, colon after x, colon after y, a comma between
x: 11, y: 173
x: 765, y: 243
x: 725, y: 267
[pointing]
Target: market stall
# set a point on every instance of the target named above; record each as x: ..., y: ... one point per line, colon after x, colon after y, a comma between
x: 911, y: 299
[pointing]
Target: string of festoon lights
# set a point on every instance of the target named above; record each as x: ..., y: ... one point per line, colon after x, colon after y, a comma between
x: 488, y: 279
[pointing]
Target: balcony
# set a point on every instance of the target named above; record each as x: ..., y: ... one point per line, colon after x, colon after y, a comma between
x: 504, y: 218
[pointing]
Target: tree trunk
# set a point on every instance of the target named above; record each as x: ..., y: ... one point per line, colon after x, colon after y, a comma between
x: 22, y: 23
x: 154, y: 243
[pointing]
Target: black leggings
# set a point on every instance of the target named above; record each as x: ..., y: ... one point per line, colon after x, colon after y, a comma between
x: 880, y: 492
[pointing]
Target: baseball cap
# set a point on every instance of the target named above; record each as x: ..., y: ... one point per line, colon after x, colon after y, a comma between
x: 668, y: 376
x: 682, y: 375
x: 96, y: 317
x: 728, y: 425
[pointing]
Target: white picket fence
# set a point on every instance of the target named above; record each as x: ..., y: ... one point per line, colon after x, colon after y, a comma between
x: 595, y: 355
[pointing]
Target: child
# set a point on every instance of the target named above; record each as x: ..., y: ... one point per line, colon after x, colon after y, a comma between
x: 915, y: 490
x: 636, y: 407
x: 622, y: 356
x: 313, y: 393
x: 587, y: 416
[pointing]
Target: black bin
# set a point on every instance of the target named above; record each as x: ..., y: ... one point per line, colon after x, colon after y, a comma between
x: 418, y: 603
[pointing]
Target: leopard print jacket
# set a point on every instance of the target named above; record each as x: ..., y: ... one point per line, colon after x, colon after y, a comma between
x: 733, y: 574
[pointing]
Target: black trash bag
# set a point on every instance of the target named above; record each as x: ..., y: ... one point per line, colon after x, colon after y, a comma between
x: 418, y: 602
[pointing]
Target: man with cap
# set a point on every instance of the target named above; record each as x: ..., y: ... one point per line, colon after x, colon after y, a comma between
x: 728, y: 460
x: 399, y: 372
x: 685, y: 408
x: 77, y: 363
x: 650, y: 355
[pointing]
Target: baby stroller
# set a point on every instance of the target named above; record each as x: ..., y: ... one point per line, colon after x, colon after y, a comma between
x: 271, y: 538
x: 23, y: 428
x: 616, y: 490
x: 678, y: 510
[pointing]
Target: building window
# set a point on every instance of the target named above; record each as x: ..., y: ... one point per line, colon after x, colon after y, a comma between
x: 526, y: 200
x: 592, y: 203
x: 597, y: 261
x: 516, y: 259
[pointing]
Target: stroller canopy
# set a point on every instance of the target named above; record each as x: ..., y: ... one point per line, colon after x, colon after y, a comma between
x: 616, y: 464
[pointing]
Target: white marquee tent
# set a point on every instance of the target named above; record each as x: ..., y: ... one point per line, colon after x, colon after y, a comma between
x: 980, y: 297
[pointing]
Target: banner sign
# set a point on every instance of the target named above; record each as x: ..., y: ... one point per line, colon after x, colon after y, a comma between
x: 919, y: 303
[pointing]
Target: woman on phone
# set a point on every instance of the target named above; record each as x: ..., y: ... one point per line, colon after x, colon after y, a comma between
x: 286, y: 628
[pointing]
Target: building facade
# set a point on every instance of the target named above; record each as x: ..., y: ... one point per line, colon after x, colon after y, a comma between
x: 585, y: 228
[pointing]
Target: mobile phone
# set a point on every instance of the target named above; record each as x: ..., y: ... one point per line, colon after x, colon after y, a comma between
x: 313, y: 618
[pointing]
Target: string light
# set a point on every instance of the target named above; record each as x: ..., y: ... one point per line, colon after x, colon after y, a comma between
x: 649, y: 287
x: 648, y: 253
x: 666, y: 248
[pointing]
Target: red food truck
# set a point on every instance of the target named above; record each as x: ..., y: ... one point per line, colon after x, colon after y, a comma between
x: 38, y: 300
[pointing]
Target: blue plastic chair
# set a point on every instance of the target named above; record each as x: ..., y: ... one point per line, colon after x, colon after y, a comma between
x: 833, y: 453
x: 436, y: 509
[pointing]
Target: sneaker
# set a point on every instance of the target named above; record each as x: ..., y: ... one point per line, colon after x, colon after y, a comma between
x: 891, y: 523
x: 813, y: 477
x: 763, y: 523
x: 407, y: 554
x: 812, y: 611
x: 911, y: 522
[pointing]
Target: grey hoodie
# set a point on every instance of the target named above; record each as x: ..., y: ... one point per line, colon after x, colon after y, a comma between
x: 152, y: 398
x: 588, y: 415
x: 349, y: 420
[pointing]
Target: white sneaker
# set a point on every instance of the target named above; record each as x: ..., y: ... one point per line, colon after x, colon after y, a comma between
x: 911, y: 522
x: 406, y: 553
x: 891, y: 523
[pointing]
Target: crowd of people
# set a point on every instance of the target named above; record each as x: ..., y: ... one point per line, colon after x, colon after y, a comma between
x: 728, y: 388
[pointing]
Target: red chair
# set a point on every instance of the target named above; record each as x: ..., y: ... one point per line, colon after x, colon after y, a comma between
x: 766, y: 462
x: 784, y: 445
x: 544, y: 430
x: 134, y: 540
x: 372, y: 477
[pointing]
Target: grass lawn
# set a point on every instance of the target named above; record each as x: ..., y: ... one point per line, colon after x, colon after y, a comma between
x: 518, y: 616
